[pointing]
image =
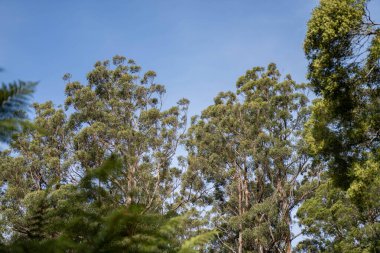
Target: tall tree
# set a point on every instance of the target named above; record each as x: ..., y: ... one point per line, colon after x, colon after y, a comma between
x: 343, y: 49
x: 40, y: 162
x: 118, y: 112
x: 101, y: 179
x: 246, y: 158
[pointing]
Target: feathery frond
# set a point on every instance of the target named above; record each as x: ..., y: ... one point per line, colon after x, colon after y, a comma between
x: 14, y: 99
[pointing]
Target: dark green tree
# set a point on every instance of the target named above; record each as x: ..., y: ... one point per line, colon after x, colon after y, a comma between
x: 336, y: 220
x: 343, y: 49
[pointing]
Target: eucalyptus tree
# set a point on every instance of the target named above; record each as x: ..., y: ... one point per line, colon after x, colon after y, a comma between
x: 100, y: 179
x: 246, y: 159
x: 35, y: 161
x: 121, y: 112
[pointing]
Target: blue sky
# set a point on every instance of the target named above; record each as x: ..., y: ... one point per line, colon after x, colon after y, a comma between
x: 197, y: 47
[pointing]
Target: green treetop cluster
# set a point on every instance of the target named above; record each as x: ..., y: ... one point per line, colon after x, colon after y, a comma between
x: 99, y: 174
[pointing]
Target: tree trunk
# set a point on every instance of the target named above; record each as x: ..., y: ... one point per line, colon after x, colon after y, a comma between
x: 288, y: 241
x: 240, y: 248
x: 240, y: 200
x: 130, y: 185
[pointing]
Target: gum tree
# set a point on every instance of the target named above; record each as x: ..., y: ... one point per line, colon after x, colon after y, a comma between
x: 246, y: 158
x: 120, y: 112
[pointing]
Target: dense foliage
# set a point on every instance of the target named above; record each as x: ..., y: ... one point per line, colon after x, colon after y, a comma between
x: 99, y: 174
x: 247, y: 150
x: 100, y: 179
x: 342, y: 45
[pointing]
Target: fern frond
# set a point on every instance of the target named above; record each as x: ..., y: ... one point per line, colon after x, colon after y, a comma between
x: 192, y: 244
x: 14, y: 98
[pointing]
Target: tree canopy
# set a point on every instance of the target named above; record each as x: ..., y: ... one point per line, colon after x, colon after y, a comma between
x: 103, y: 172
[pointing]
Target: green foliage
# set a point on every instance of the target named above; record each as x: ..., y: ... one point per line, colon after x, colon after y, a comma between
x: 70, y: 219
x: 246, y: 155
x: 100, y: 180
x: 193, y: 244
x: 336, y: 223
x: 13, y: 101
x: 98, y: 175
x: 342, y: 46
x: 121, y: 113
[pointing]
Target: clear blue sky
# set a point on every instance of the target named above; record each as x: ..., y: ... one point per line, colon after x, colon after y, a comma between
x: 197, y: 47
